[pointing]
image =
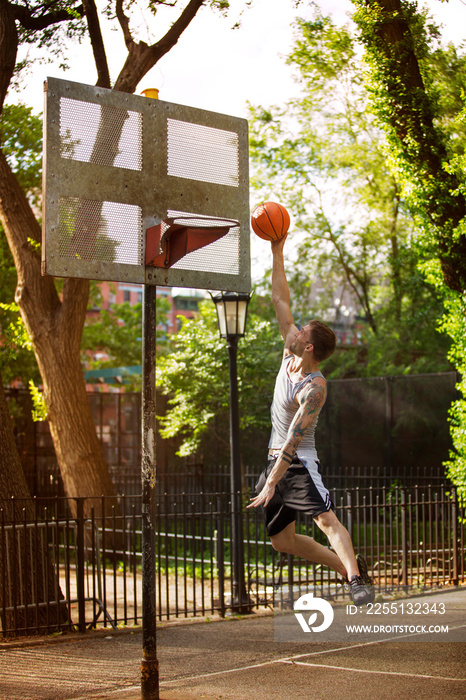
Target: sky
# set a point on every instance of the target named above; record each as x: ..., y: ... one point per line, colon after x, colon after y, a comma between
x: 216, y: 68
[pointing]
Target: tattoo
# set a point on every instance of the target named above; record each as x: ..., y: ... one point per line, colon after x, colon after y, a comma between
x: 298, y: 430
x: 313, y: 399
x: 286, y: 457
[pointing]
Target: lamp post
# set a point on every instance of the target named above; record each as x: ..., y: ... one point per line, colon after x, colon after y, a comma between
x: 232, y: 309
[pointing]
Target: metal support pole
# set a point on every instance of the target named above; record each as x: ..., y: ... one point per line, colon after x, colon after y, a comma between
x: 149, y: 663
x: 240, y: 598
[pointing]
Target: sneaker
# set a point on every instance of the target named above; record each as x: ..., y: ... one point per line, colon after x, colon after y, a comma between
x: 362, y: 566
x: 361, y: 594
x: 360, y: 587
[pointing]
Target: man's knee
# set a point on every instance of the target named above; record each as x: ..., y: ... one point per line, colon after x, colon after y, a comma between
x: 328, y: 521
x: 283, y: 541
x: 280, y: 544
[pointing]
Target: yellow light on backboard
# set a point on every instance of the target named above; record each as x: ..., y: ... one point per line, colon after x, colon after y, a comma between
x: 151, y: 92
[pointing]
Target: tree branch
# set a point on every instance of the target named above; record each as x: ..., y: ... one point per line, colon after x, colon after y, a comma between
x: 19, y: 223
x: 395, y: 256
x: 8, y: 48
x: 28, y: 21
x: 141, y: 57
x: 124, y: 24
x: 351, y: 275
x: 97, y: 43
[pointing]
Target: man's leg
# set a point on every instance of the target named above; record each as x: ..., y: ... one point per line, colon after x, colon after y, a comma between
x: 303, y: 546
x: 340, y: 540
x: 359, y: 584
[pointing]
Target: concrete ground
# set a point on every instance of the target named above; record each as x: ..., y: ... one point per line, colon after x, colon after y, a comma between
x: 237, y: 659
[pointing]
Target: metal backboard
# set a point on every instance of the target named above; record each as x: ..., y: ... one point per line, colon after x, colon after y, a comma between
x: 118, y: 165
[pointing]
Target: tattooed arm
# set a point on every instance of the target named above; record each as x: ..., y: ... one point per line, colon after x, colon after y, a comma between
x: 311, y: 399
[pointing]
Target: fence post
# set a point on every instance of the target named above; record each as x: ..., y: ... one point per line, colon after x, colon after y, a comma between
x: 220, y: 556
x: 80, y: 564
x: 289, y: 559
x: 389, y: 424
x: 454, y: 522
x: 349, y: 514
x: 404, y: 541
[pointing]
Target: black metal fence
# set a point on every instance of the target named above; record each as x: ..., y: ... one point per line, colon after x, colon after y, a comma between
x: 59, y: 571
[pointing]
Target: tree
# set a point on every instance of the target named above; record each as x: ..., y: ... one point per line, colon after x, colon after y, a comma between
x: 324, y: 153
x: 407, y: 106
x: 54, y: 319
x: 195, y: 376
x: 21, y: 138
x: 427, y: 156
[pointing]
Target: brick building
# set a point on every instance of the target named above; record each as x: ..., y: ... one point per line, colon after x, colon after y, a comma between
x: 183, y: 302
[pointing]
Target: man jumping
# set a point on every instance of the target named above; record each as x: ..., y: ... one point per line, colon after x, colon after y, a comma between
x: 292, y: 480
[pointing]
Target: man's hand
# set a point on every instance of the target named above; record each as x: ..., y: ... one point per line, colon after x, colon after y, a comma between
x: 264, y: 497
x: 278, y: 244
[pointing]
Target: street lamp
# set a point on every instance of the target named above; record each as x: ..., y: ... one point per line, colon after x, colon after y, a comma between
x: 232, y: 310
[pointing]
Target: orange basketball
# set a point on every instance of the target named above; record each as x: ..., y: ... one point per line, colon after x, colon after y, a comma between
x: 270, y: 221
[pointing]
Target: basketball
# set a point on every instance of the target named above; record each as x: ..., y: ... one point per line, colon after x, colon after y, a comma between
x: 270, y: 221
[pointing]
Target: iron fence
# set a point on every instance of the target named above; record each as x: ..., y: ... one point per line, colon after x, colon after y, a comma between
x: 63, y: 571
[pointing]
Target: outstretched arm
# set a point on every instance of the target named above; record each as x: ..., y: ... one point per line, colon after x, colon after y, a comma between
x: 280, y: 290
x: 311, y: 400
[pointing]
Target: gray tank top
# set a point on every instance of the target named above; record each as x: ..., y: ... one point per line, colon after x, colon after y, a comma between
x: 284, y: 408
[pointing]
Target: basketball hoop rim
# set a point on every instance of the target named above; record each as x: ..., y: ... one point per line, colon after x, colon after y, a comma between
x: 216, y: 222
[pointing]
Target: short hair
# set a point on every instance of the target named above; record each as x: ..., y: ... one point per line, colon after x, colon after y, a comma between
x: 323, y: 339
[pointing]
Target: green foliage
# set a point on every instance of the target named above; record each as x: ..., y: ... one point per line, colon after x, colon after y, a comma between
x: 39, y: 411
x: 21, y: 139
x: 16, y: 332
x: 196, y: 377
x: 17, y: 360
x: 417, y: 94
x: 116, y: 333
x: 406, y: 103
x: 323, y: 155
x: 61, y: 23
x: 454, y: 323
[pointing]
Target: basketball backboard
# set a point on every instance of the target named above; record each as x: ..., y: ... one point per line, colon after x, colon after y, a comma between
x: 145, y: 191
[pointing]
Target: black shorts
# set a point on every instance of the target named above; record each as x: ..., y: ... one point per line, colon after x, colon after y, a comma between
x: 296, y: 491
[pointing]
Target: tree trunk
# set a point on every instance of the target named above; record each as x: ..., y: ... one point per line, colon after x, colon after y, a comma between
x: 8, y: 47
x: 54, y: 322
x: 395, y: 262
x: 55, y: 327
x: 27, y: 575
